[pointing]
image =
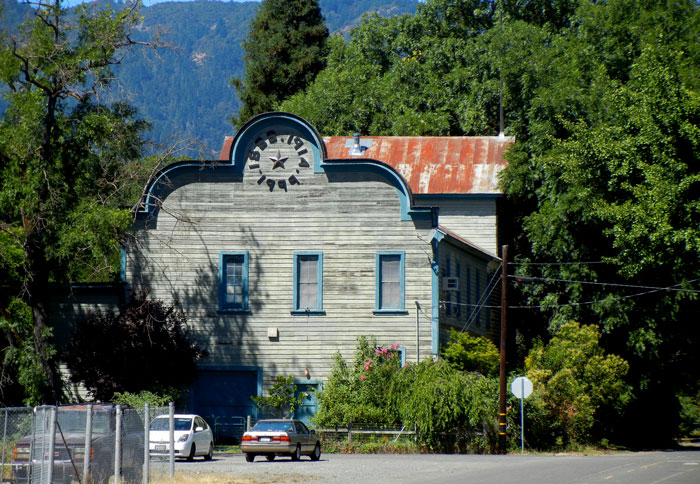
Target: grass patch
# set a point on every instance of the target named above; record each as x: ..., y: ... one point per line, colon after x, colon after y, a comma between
x: 211, y: 478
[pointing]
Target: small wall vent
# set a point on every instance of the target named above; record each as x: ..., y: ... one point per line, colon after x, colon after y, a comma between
x: 450, y: 283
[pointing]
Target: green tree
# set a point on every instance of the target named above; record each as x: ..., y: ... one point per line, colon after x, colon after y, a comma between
x: 573, y: 383
x: 284, y: 50
x: 472, y: 353
x: 616, y: 183
x: 147, y: 345
x: 407, y: 75
x: 282, y: 398
x: 64, y: 161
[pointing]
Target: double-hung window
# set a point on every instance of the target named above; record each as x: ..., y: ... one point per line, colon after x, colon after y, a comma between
x: 390, y: 282
x: 308, y: 282
x: 233, y: 281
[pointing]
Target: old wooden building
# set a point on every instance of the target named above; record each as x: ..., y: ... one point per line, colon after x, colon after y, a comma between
x: 291, y: 246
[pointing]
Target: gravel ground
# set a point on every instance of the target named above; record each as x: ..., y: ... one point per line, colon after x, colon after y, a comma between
x: 620, y: 468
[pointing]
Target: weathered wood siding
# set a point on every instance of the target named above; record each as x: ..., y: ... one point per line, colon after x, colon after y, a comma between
x: 473, y: 219
x: 347, y: 217
x: 465, y: 309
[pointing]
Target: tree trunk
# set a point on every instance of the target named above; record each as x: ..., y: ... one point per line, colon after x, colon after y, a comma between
x: 37, y: 286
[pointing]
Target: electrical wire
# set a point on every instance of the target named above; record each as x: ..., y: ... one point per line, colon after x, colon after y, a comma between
x: 483, y: 298
x: 611, y: 284
x: 651, y: 290
x: 557, y: 263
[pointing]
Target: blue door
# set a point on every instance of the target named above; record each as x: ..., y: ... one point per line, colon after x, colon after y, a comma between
x: 222, y: 397
x: 310, y: 404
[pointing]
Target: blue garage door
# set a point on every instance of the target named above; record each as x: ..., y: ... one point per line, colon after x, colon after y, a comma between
x: 222, y: 397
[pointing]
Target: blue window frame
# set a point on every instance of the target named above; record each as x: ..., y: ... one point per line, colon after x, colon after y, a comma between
x: 458, y: 307
x: 447, y: 272
x: 468, y: 275
x: 390, y: 280
x: 308, y: 282
x: 233, y: 281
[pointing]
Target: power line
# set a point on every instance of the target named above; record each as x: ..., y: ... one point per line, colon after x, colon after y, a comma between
x: 611, y: 284
x: 558, y: 263
x: 483, y: 298
x: 585, y: 303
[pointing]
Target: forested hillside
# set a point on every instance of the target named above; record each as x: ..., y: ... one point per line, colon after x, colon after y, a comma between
x: 184, y: 90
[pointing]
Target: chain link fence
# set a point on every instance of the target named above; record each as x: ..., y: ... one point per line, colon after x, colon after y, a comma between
x: 85, y: 444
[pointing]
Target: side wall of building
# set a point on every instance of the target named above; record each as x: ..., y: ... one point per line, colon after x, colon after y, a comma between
x: 472, y: 218
x: 465, y: 297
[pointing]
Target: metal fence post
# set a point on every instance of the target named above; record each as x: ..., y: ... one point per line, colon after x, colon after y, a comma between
x: 32, y: 446
x: 118, y: 445
x: 52, y: 442
x: 87, y: 454
x: 4, y: 444
x: 171, y: 417
x: 146, y: 442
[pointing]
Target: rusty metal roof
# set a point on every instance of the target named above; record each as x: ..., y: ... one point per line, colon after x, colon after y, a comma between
x: 434, y: 164
x: 431, y: 165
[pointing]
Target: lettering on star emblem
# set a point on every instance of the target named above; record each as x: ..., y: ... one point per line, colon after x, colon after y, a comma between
x: 270, y: 173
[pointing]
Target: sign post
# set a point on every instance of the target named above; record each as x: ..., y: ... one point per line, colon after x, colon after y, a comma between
x: 521, y: 388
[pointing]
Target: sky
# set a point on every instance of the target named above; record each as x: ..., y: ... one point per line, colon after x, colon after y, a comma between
x: 148, y: 3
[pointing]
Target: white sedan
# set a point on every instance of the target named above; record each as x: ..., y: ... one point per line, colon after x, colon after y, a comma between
x: 192, y: 436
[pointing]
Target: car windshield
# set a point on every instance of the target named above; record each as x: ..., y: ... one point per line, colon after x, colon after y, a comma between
x: 75, y: 420
x: 266, y: 426
x: 162, y: 423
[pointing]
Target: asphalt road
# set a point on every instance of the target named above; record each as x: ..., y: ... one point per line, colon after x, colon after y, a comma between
x: 670, y: 467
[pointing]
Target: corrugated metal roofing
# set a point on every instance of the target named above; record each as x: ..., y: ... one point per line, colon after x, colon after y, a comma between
x: 431, y: 165
x: 434, y: 164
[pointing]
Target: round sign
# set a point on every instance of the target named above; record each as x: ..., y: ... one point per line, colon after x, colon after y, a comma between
x: 521, y: 387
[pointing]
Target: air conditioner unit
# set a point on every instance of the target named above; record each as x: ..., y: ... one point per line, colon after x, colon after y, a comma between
x: 450, y: 283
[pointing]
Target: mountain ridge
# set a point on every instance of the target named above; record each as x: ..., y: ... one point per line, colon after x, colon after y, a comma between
x: 185, y: 91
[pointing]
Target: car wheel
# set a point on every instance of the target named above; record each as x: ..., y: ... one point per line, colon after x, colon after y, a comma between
x: 210, y: 455
x: 249, y: 457
x: 297, y: 453
x: 270, y: 457
x: 193, y: 449
x: 317, y: 452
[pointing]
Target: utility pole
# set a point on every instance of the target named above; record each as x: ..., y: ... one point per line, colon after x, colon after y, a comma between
x: 502, y: 368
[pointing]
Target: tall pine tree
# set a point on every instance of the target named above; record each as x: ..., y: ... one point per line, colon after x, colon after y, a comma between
x: 285, y: 49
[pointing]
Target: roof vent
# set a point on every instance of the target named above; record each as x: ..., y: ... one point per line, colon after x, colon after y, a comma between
x: 357, y: 146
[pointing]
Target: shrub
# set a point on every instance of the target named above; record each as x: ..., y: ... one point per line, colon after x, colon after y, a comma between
x: 573, y: 383
x: 452, y: 411
x: 472, y: 353
x: 358, y: 393
x: 138, y: 400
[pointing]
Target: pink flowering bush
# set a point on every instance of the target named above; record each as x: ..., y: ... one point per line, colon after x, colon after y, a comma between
x: 360, y: 392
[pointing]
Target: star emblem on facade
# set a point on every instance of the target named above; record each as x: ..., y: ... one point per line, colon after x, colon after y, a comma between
x: 278, y: 160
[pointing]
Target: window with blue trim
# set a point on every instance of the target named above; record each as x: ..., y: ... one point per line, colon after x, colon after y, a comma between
x: 233, y: 281
x: 458, y: 308
x: 308, y: 282
x: 469, y: 291
x: 390, y: 281
x: 447, y: 272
